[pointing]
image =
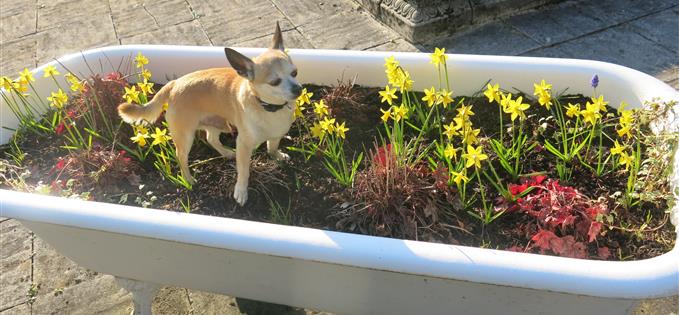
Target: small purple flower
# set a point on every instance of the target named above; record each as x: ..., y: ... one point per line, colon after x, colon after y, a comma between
x: 595, y: 81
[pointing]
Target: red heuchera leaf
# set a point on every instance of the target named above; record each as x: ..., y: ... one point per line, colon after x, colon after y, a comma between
x: 114, y: 76
x: 543, y: 239
x: 383, y: 154
x: 594, y: 230
x: 61, y: 163
x: 517, y: 189
x: 60, y: 129
x: 572, y: 248
x: 603, y: 253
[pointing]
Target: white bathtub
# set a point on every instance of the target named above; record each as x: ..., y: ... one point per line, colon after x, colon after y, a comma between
x: 339, y: 272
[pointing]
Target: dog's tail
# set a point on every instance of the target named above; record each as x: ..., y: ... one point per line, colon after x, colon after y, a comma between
x: 133, y: 113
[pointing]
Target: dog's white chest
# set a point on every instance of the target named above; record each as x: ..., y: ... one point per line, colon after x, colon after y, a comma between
x: 267, y: 125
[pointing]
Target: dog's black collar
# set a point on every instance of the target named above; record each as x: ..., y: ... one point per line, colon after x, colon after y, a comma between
x: 271, y: 107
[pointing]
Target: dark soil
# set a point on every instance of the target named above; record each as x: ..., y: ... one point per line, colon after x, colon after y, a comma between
x: 312, y: 198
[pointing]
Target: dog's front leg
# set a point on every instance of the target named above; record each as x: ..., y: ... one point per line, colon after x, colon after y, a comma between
x: 272, y: 149
x: 244, y: 149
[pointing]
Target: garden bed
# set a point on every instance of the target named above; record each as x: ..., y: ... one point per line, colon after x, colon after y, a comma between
x: 426, y: 205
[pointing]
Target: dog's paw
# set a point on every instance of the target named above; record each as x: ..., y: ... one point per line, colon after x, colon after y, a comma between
x: 240, y: 194
x: 279, y: 155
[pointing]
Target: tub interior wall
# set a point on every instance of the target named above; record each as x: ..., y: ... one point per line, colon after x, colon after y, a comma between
x: 304, y: 283
x: 468, y: 73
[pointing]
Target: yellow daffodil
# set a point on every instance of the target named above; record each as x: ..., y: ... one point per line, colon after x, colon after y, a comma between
x: 591, y: 113
x: 165, y: 106
x: 626, y: 117
x: 400, y: 112
x: 505, y: 100
x: 305, y: 97
x: 388, y: 95
x: 465, y: 111
x: 160, y: 136
x: 6, y: 83
x: 474, y: 156
x: 328, y: 124
x: 140, y: 129
x: 340, y: 129
x: 445, y: 97
x: 141, y: 60
x: 317, y: 131
x: 517, y: 108
x: 545, y: 100
x: 573, y: 110
x: 625, y: 159
x: 146, y: 74
x: 404, y: 82
x: 50, y: 71
x: 22, y: 86
x: 298, y: 113
x: 493, y: 93
x: 131, y: 95
x: 146, y: 87
x: 459, y: 177
x: 76, y: 85
x: 439, y: 57
x: 471, y: 136
x: 321, y: 109
x: 599, y: 104
x: 541, y: 88
x: 390, y: 62
x: 58, y: 99
x: 461, y: 123
x: 450, y: 130
x: 450, y: 152
x: 386, y: 114
x: 430, y: 96
x: 617, y: 148
x: 27, y: 75
x: 140, y: 138
x: 542, y: 91
x: 625, y: 131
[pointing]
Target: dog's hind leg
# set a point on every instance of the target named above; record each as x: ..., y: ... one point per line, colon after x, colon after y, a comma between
x: 212, y: 135
x: 183, y: 143
x: 183, y: 133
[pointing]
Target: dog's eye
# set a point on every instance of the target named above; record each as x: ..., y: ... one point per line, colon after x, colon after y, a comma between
x: 294, y: 73
x: 275, y: 82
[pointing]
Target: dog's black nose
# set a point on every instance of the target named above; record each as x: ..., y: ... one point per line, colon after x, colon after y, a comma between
x: 296, y: 89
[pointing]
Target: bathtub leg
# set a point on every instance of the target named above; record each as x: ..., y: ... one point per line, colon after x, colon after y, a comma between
x: 142, y: 294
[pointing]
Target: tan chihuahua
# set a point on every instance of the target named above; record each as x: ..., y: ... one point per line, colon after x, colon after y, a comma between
x: 256, y: 97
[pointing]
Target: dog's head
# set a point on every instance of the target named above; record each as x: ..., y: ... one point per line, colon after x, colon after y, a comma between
x: 272, y: 74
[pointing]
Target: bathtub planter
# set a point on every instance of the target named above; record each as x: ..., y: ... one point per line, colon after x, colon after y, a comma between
x: 340, y: 272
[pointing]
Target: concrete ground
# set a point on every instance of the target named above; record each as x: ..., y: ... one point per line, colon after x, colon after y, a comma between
x: 34, y: 279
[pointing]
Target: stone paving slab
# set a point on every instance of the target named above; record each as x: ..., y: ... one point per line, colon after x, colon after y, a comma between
x: 15, y: 263
x: 228, y: 26
x: 549, y: 25
x: 17, y: 55
x: 90, y: 32
x: 100, y: 295
x: 291, y: 39
x: 661, y: 28
x: 495, y: 38
x: 347, y: 31
x: 620, y: 45
x: 133, y: 17
x: 188, y: 33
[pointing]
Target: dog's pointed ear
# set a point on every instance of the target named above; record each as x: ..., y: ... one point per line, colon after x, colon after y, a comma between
x: 243, y: 65
x: 277, y: 42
